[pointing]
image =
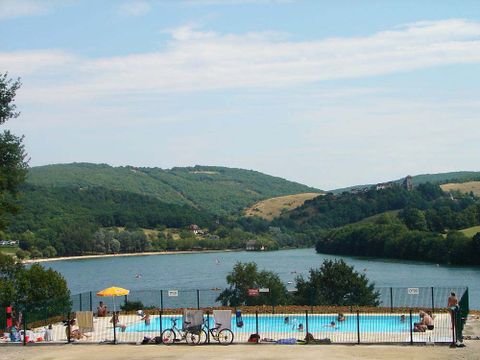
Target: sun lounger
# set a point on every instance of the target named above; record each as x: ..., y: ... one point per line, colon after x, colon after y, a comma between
x: 85, y: 321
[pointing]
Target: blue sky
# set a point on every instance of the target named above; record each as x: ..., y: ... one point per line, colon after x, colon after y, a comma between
x: 329, y: 94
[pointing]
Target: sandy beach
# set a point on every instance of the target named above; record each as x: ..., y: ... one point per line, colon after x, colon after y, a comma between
x: 243, y: 352
x: 82, y: 257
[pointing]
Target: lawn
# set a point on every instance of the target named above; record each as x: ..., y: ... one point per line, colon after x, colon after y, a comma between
x: 471, y: 231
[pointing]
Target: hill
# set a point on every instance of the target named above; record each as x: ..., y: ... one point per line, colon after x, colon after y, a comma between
x: 271, y: 208
x: 441, y: 178
x: 466, y: 187
x: 50, y: 208
x: 218, y: 190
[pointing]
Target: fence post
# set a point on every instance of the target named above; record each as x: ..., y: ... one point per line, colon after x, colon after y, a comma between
x: 391, y: 299
x: 208, y: 326
x: 358, y: 327
x: 126, y: 299
x: 306, y: 325
x: 454, y: 323
x: 69, y: 328
x: 24, y: 326
x: 114, y: 328
x: 91, y: 301
x: 256, y: 321
x: 80, y: 301
x: 433, y: 302
x: 161, y: 300
x: 198, y: 299
x: 411, y: 330
x: 161, y: 327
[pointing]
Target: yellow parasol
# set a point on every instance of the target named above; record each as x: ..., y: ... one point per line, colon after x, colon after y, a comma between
x: 113, y: 291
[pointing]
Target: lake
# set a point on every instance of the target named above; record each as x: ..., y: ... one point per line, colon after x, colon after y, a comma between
x: 208, y: 270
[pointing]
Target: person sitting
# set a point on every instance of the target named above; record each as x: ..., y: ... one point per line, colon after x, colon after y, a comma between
x: 341, y: 317
x: 101, y: 309
x: 426, y: 323
x: 116, y: 321
x: 74, y: 333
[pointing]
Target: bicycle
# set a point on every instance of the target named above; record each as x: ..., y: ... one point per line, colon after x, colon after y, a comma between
x: 224, y: 336
x: 174, y: 334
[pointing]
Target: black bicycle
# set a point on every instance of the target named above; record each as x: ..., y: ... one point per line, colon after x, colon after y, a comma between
x: 224, y: 336
x: 174, y: 334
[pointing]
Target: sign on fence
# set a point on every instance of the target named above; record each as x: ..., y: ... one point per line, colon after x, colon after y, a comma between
x: 413, y: 291
x: 253, y: 292
x: 172, y: 292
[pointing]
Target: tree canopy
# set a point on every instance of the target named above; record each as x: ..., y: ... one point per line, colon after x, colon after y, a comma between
x: 246, y: 276
x: 13, y: 163
x: 336, y: 283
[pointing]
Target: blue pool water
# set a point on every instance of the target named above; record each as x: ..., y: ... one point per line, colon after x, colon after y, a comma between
x: 276, y: 323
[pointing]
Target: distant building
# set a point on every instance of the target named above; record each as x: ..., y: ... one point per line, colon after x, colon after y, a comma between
x: 251, y: 245
x: 196, y: 229
x: 382, y: 186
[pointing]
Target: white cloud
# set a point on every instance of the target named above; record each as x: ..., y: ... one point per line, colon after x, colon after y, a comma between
x: 19, y: 8
x: 135, y: 8
x: 196, y: 60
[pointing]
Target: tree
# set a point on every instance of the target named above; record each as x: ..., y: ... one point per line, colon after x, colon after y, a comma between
x: 336, y: 283
x: 13, y: 163
x: 246, y: 276
x: 20, y: 286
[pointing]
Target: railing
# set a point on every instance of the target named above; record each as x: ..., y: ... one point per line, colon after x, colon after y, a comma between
x: 392, y: 322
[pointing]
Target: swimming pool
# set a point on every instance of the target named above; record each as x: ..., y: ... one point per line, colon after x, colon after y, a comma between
x: 384, y: 323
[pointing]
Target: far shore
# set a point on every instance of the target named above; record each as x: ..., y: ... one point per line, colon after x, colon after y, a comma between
x: 80, y: 257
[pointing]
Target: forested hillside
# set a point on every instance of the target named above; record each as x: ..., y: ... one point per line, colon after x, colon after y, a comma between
x: 442, y: 178
x: 424, y: 227
x: 218, y: 190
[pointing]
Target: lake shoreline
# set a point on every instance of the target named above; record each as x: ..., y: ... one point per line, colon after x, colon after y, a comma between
x: 101, y: 256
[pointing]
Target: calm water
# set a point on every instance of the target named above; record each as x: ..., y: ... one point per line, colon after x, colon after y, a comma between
x: 208, y: 270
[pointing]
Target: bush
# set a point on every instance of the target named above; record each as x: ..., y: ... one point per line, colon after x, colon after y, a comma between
x: 132, y: 306
x: 22, y: 254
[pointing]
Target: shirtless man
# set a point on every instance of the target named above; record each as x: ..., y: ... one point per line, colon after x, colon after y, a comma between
x: 101, y: 310
x: 426, y: 322
x: 452, y: 302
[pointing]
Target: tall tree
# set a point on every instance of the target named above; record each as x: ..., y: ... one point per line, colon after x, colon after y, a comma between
x: 13, y: 163
x: 336, y: 283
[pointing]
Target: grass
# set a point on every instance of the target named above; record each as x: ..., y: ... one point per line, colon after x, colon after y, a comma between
x: 374, y: 218
x: 471, y: 231
x: 466, y: 187
x: 9, y: 250
x: 271, y: 208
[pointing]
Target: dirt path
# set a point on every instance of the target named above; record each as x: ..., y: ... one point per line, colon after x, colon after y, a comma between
x: 243, y: 352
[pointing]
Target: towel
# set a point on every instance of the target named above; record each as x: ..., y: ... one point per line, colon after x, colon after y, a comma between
x: 223, y: 317
x: 85, y: 321
x: 194, y: 318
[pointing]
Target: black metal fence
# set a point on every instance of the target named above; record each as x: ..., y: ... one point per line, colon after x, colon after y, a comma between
x: 394, y: 321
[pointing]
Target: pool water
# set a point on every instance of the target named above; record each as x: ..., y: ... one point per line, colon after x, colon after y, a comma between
x: 278, y: 323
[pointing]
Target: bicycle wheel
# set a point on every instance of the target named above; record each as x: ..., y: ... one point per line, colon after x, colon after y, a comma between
x: 192, y: 338
x: 203, y: 337
x: 225, y: 337
x: 168, y: 336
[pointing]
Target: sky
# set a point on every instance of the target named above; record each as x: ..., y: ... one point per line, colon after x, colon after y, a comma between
x: 326, y: 93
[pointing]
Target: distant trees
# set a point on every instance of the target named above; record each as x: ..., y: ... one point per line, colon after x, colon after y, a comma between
x: 335, y: 283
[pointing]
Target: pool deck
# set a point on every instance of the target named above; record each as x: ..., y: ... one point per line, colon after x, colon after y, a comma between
x: 240, y: 352
x: 103, y: 332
